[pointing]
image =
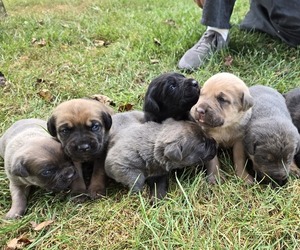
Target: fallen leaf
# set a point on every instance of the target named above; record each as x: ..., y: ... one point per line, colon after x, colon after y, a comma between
x: 2, y: 80
x: 228, y: 60
x: 170, y: 22
x: 43, y: 225
x: 157, y: 42
x: 99, y: 43
x: 154, y: 61
x: 46, y: 95
x: 42, y: 42
x: 125, y: 107
x: 103, y: 99
x: 18, y: 243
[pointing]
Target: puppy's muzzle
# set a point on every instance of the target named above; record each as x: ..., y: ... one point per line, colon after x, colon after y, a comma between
x: 63, y: 180
x: 205, y: 115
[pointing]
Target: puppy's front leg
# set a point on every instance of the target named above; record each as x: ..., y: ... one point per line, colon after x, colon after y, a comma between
x: 239, y: 159
x: 97, y: 188
x: 19, y: 196
x: 213, y: 171
x: 78, y: 185
x: 158, y: 187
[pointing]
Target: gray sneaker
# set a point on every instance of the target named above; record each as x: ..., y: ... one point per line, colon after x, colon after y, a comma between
x: 210, y: 42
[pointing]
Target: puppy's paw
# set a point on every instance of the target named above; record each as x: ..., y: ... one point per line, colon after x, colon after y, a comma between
x: 12, y: 215
x: 215, y: 179
x: 96, y: 194
x: 249, y: 180
x: 80, y: 198
x: 294, y: 170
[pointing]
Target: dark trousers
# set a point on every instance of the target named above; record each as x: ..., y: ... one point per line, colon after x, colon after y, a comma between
x: 279, y: 18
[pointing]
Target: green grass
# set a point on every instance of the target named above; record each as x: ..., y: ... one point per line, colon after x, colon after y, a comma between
x: 195, y: 215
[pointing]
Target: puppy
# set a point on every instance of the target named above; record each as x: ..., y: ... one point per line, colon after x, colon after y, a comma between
x: 223, y: 111
x: 82, y: 127
x: 271, y: 139
x: 292, y: 99
x: 33, y: 158
x: 142, y: 151
x: 124, y: 119
x: 170, y: 95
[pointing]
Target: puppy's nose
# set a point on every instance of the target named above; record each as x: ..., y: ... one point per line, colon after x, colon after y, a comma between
x: 83, y: 147
x: 201, y: 110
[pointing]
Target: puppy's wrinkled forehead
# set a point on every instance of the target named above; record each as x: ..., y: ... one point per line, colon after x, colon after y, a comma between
x: 79, y: 112
x: 225, y: 83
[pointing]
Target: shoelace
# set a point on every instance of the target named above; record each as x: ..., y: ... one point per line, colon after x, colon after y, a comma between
x: 203, y: 45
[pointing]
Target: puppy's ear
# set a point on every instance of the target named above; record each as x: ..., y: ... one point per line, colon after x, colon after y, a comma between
x: 247, y: 101
x: 106, y: 117
x: 173, y: 152
x: 19, y: 169
x: 150, y: 105
x: 51, y: 126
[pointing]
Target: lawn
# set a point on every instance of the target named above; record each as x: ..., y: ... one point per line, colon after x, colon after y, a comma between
x: 52, y: 51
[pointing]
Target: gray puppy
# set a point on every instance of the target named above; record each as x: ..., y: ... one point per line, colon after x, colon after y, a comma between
x: 292, y: 99
x: 124, y: 119
x: 33, y: 158
x: 141, y: 151
x: 271, y: 139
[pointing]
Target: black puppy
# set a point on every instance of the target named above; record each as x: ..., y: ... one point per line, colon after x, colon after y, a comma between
x: 170, y: 95
x: 292, y: 99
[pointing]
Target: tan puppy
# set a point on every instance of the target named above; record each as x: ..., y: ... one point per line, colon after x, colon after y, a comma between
x: 33, y: 158
x: 82, y: 126
x: 223, y: 110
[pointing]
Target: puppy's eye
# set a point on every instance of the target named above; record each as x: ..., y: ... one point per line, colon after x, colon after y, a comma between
x: 172, y: 87
x: 48, y: 172
x: 64, y: 131
x: 222, y: 100
x: 95, y: 127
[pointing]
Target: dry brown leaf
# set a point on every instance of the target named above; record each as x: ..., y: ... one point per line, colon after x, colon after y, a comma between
x: 157, y: 42
x: 103, y: 99
x: 99, y: 43
x: 125, y: 107
x: 2, y: 80
x: 46, y: 95
x: 42, y: 42
x: 228, y: 60
x: 154, y: 61
x: 43, y: 225
x: 170, y: 22
x: 18, y: 243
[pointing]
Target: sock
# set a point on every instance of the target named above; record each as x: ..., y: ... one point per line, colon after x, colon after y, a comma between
x: 224, y: 32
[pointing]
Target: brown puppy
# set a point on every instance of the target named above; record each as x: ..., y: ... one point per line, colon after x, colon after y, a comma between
x: 82, y: 127
x: 33, y: 158
x: 223, y: 110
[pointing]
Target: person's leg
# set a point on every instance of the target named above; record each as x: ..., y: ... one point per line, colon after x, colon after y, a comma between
x: 216, y: 15
x: 279, y: 18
